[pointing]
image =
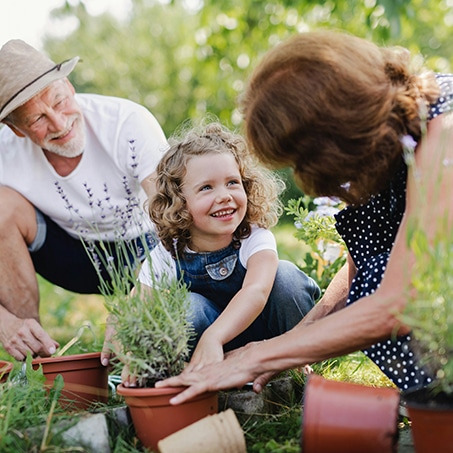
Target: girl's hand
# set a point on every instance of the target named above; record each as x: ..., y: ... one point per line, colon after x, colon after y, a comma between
x: 127, y: 379
x: 207, y: 351
x: 107, y: 352
x: 111, y: 345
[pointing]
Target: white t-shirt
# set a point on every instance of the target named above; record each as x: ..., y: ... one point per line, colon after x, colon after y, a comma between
x: 102, y: 198
x: 164, y: 264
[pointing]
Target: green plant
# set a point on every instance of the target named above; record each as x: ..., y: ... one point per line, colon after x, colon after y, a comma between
x: 274, y: 433
x: 429, y: 311
x: 25, y: 404
x: 429, y: 308
x: 315, y: 227
x: 152, y: 330
x: 151, y: 327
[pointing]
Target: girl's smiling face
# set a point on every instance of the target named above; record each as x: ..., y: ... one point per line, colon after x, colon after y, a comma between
x: 215, y: 198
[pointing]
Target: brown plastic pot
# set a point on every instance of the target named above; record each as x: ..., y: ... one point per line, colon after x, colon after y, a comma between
x: 155, y: 418
x: 431, y: 420
x: 85, y: 379
x: 341, y: 417
x: 5, y: 369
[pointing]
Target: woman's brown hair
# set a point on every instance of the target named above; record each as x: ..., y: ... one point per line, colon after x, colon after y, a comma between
x: 334, y: 108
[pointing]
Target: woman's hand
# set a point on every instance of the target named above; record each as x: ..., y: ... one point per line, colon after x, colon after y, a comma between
x: 128, y: 379
x: 236, y: 370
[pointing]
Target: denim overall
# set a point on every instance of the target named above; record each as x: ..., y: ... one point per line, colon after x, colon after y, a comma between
x: 214, y: 278
x: 218, y: 275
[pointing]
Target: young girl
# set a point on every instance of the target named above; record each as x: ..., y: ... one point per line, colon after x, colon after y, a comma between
x: 212, y: 212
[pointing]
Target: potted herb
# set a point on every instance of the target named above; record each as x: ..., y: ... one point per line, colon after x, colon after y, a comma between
x: 85, y: 379
x: 429, y: 314
x: 151, y: 338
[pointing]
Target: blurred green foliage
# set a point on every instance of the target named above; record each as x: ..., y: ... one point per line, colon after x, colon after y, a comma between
x: 188, y: 58
x: 184, y: 58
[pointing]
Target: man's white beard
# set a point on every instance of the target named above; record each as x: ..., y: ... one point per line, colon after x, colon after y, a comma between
x: 74, y: 147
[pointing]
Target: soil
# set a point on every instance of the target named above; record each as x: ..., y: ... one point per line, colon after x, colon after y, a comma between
x: 430, y: 398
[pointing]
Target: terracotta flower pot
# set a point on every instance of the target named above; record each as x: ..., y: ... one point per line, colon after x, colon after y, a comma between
x: 5, y: 369
x: 219, y: 433
x: 341, y: 417
x: 85, y: 379
x: 432, y: 420
x: 155, y: 418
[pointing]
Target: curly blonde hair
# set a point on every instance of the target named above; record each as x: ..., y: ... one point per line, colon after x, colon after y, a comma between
x: 334, y: 108
x: 168, y: 209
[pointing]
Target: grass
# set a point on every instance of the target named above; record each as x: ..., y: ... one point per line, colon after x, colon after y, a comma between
x: 275, y: 433
x: 63, y: 313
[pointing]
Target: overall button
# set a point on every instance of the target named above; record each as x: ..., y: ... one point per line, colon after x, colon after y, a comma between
x: 223, y: 271
x: 223, y: 268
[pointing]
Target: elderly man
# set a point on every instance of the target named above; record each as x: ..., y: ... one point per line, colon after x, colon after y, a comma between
x: 72, y: 166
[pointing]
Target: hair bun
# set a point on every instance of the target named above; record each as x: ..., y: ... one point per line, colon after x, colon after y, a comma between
x: 396, y: 63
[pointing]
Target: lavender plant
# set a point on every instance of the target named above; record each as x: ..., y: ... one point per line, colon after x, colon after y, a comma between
x: 429, y: 311
x: 152, y: 330
x: 429, y: 308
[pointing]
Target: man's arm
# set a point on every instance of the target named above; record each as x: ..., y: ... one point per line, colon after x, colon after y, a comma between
x: 20, y: 330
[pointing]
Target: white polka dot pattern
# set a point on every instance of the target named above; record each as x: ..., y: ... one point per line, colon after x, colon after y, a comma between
x: 369, y: 232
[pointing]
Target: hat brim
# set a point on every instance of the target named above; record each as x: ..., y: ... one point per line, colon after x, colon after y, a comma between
x: 60, y: 72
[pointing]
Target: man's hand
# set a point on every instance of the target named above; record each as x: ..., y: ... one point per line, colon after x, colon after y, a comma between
x: 22, y: 336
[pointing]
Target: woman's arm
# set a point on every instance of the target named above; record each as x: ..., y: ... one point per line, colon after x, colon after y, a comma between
x: 342, y: 332
x: 336, y: 294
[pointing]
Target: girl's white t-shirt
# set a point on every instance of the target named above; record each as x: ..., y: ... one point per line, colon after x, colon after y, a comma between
x: 161, y: 263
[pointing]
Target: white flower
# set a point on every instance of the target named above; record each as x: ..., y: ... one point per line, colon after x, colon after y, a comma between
x: 408, y: 142
x: 409, y: 145
x: 326, y: 201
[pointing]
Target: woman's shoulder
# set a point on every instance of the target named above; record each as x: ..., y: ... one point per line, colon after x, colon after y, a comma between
x: 444, y: 102
x: 444, y: 80
x: 435, y: 153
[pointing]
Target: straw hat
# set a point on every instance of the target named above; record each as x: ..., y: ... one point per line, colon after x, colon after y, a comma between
x: 24, y: 72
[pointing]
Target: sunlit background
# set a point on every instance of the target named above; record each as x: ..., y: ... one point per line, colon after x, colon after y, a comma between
x: 188, y: 58
x: 184, y: 59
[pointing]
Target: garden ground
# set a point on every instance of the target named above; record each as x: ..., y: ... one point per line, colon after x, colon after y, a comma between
x: 64, y: 313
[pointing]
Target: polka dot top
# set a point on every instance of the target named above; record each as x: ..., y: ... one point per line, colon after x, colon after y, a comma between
x: 369, y: 232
